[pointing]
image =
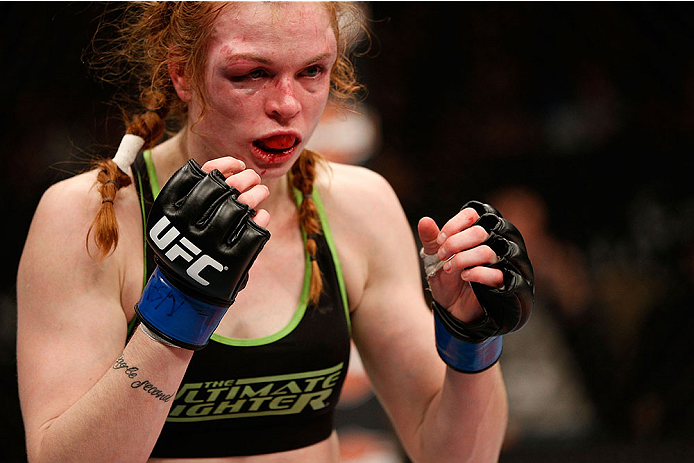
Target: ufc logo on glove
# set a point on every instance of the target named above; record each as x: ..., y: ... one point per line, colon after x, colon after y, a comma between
x: 178, y: 305
x: 162, y: 242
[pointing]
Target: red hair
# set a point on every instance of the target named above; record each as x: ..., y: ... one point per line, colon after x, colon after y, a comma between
x: 155, y: 35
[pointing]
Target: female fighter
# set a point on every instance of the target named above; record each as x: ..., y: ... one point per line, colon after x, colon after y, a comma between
x: 194, y: 298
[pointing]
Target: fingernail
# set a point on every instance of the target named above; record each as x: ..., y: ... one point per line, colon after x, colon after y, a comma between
x: 447, y: 267
x: 465, y: 275
x: 441, y: 238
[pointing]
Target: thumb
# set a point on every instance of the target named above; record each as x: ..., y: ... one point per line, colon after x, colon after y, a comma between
x: 428, y: 232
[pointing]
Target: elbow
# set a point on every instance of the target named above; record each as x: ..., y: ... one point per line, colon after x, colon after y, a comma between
x: 35, y: 442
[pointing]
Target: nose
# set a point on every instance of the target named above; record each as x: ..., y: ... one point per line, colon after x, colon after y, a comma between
x: 282, y: 101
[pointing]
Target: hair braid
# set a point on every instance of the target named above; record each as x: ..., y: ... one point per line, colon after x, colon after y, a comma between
x: 303, y: 176
x: 105, y: 225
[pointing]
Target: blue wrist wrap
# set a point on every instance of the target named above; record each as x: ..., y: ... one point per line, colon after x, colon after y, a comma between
x: 175, y: 316
x: 466, y: 357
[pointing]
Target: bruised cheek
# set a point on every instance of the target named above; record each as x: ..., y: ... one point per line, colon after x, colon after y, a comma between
x: 249, y: 105
x: 239, y: 104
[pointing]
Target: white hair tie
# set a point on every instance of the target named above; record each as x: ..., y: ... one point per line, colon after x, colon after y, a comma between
x: 127, y: 151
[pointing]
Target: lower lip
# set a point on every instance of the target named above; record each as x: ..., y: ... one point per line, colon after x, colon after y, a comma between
x: 265, y: 158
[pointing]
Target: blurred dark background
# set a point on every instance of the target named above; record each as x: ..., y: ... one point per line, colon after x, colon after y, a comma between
x: 575, y: 119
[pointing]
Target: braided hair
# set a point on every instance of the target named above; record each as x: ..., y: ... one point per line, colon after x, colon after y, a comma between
x: 302, y: 178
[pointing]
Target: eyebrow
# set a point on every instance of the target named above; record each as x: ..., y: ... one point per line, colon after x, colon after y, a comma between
x: 320, y: 57
x: 250, y: 56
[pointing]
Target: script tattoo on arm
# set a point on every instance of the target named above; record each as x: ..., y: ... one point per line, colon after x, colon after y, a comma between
x: 131, y: 372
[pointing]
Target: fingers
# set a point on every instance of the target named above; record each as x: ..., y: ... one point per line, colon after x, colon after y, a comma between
x: 460, y: 233
x: 428, y: 233
x: 244, y: 180
x: 254, y: 196
x: 226, y: 165
x: 461, y: 244
x: 479, y: 255
x: 461, y: 221
x: 487, y: 276
x: 248, y: 183
x: 262, y: 218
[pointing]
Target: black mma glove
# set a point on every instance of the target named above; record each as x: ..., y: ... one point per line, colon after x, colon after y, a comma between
x: 505, y: 310
x: 204, y: 241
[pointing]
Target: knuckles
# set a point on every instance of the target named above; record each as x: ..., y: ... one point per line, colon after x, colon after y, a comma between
x: 488, y: 254
x: 479, y: 233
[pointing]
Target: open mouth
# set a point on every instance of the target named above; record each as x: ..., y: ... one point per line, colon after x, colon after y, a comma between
x: 275, y: 150
x: 279, y: 144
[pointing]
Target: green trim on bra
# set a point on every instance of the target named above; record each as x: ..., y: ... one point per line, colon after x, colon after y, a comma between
x: 293, y: 323
x: 144, y: 230
x: 152, y: 173
x: 331, y: 245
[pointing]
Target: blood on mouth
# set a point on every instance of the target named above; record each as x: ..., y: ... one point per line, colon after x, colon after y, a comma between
x: 274, y: 150
x: 276, y: 144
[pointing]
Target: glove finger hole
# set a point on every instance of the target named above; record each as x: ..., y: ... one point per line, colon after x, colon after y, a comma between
x: 481, y: 208
x: 224, y: 217
x: 181, y: 183
x: 202, y: 198
x: 489, y: 222
x: 501, y: 246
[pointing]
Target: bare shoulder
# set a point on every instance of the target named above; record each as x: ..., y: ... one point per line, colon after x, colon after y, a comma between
x: 58, y: 239
x: 65, y: 211
x: 368, y: 224
x: 58, y: 270
x: 362, y: 208
x: 80, y: 189
x: 357, y: 191
x: 75, y: 201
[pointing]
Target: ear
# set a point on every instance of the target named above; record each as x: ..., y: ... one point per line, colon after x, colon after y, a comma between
x: 180, y: 81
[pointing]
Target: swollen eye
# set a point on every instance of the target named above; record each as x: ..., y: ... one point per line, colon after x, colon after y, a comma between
x: 253, y: 75
x: 257, y: 74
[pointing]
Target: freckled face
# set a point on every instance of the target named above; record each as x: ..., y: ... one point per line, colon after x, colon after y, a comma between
x: 267, y: 81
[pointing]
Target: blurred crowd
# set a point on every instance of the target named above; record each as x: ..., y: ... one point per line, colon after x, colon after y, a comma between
x: 576, y: 120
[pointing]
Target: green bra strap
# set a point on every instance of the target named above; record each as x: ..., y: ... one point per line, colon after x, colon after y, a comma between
x: 154, y: 182
x: 299, y: 197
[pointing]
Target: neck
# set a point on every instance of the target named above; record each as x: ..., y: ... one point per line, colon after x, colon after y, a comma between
x: 280, y: 199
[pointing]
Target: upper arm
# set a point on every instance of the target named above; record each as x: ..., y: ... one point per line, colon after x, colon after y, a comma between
x: 70, y: 324
x: 392, y: 325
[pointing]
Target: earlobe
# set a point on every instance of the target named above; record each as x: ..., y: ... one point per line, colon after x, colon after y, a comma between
x: 180, y: 82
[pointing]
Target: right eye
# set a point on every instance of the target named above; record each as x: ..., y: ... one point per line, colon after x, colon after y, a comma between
x: 255, y: 74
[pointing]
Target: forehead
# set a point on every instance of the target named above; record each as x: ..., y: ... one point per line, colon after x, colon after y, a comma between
x: 273, y: 30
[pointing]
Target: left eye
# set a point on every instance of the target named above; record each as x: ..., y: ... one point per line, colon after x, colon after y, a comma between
x: 313, y: 71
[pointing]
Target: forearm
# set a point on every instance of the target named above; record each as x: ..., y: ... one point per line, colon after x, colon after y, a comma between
x: 121, y: 416
x: 467, y: 420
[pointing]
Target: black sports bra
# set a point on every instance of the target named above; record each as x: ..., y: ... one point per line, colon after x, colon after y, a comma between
x: 264, y: 395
